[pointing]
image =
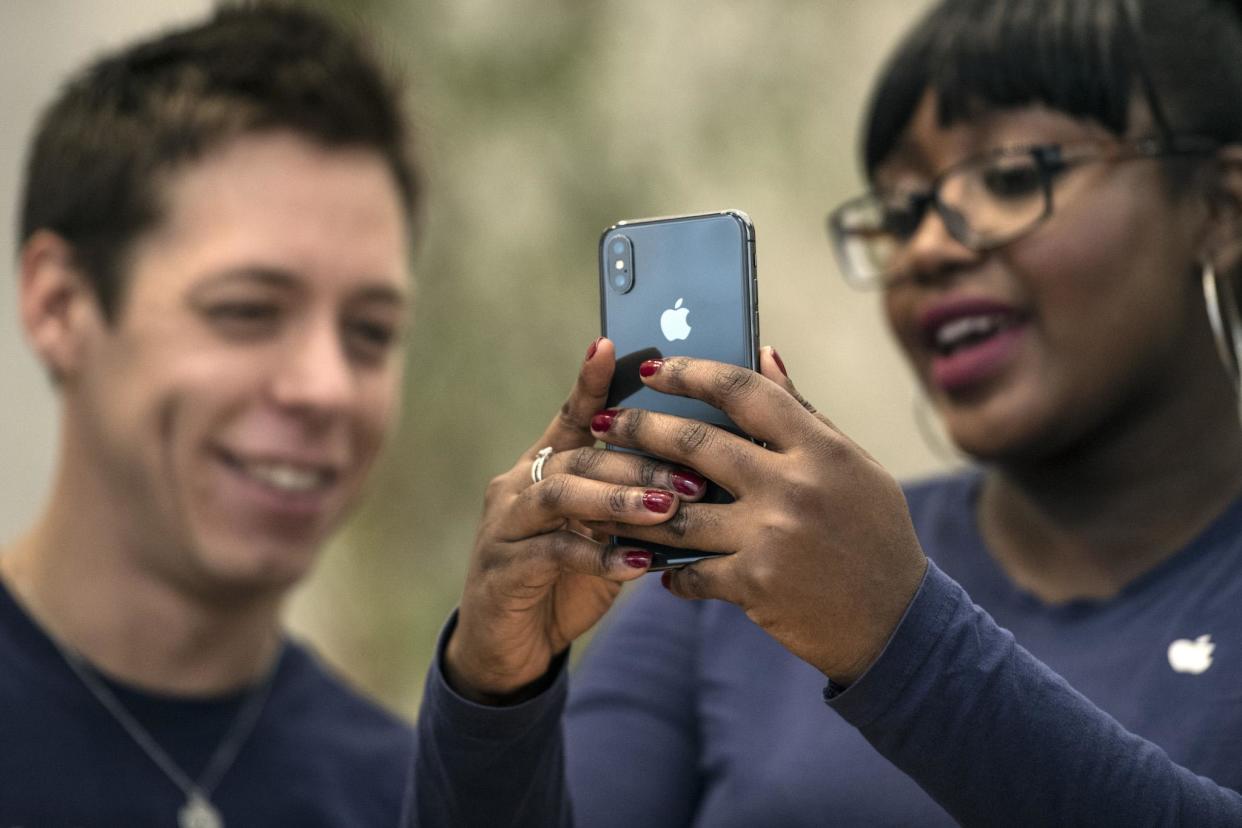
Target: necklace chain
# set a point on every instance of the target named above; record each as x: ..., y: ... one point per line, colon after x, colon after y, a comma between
x: 197, y: 793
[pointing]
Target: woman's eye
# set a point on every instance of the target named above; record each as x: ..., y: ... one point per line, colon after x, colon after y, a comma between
x: 901, y: 219
x: 1012, y: 180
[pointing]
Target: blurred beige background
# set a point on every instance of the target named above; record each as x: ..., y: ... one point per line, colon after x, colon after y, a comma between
x: 539, y: 123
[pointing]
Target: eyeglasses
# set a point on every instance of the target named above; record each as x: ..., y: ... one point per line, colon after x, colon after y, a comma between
x: 985, y: 202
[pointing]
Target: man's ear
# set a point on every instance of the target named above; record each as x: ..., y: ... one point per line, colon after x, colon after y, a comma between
x: 1223, y: 244
x: 58, y: 307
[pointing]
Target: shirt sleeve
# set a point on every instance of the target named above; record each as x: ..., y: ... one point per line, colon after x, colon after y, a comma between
x: 632, y: 736
x: 997, y: 738
x: 478, y: 765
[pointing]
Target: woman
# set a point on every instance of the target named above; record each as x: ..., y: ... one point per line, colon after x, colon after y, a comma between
x: 1054, y: 183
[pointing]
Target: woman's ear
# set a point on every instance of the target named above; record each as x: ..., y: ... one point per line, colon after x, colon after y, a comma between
x: 58, y: 307
x: 1223, y: 243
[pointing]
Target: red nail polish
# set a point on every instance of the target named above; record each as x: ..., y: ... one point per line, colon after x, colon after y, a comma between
x: 593, y: 348
x: 603, y: 420
x: 780, y: 363
x: 650, y: 367
x: 657, y: 501
x: 637, y: 559
x: 688, y: 483
x: 666, y: 579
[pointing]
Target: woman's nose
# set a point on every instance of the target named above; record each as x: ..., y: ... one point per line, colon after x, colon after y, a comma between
x: 934, y: 250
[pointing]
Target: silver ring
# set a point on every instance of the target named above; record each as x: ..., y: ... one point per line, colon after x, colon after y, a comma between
x: 536, y: 468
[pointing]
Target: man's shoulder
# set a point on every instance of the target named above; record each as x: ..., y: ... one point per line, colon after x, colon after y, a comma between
x: 321, y: 704
x: 345, y: 747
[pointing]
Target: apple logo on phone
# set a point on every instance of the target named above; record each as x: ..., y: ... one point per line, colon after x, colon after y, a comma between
x: 673, y: 322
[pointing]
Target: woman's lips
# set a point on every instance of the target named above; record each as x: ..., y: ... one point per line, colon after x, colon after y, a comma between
x: 970, y: 341
x: 980, y: 361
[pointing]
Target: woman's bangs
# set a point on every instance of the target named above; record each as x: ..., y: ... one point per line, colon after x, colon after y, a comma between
x: 978, y: 55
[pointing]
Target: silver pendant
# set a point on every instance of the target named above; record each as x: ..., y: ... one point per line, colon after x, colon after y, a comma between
x: 197, y: 812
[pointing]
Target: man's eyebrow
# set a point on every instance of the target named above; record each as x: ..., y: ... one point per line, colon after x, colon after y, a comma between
x: 373, y: 292
x: 383, y: 294
x: 274, y: 276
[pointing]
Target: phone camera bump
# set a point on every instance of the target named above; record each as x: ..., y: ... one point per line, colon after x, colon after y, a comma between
x: 619, y: 264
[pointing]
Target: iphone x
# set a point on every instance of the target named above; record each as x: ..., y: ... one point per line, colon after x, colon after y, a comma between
x: 678, y: 286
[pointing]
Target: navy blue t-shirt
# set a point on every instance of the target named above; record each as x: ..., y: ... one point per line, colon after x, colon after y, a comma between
x: 320, y: 754
x: 685, y: 713
x: 1163, y: 657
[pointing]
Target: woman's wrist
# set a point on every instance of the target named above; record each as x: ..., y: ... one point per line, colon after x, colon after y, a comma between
x: 470, y: 683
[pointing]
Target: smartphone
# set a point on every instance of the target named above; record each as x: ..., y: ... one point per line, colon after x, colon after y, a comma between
x: 678, y: 286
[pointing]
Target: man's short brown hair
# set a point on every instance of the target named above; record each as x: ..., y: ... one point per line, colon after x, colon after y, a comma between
x: 121, y: 127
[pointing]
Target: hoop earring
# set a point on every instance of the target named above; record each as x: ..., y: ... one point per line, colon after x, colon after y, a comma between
x: 1226, y: 321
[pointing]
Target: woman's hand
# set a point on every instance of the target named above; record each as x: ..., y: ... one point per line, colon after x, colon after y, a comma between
x: 537, y: 579
x: 825, y: 556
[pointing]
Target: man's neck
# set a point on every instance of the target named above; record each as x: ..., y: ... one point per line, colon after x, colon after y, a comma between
x: 130, y: 624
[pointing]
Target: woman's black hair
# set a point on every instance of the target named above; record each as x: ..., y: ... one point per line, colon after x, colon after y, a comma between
x: 1086, y: 58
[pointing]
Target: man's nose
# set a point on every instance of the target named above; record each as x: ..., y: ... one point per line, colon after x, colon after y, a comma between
x: 315, y: 375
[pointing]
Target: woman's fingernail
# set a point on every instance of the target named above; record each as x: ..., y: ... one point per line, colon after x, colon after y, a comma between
x: 592, y: 349
x: 780, y: 363
x: 666, y: 579
x: 650, y: 367
x: 637, y: 559
x: 657, y: 501
x: 688, y: 483
x: 603, y: 420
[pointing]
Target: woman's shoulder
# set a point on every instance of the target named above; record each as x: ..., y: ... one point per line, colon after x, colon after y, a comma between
x: 946, y: 494
x: 942, y: 510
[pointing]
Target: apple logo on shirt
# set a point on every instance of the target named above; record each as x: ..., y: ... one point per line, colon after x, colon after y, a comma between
x: 1194, y: 657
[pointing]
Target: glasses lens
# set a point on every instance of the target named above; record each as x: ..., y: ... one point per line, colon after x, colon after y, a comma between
x: 867, y: 234
x: 995, y: 200
x: 983, y: 204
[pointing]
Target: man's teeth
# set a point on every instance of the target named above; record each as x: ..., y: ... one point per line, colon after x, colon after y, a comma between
x: 287, y: 478
x: 967, y: 329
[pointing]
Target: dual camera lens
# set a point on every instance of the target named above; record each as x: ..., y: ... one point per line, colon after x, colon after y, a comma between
x: 620, y: 261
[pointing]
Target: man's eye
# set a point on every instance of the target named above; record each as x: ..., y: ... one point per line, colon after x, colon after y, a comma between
x: 242, y: 313
x: 372, y: 332
x: 1013, y: 180
x: 371, y: 340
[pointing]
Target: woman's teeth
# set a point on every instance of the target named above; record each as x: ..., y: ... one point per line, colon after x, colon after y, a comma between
x: 968, y: 330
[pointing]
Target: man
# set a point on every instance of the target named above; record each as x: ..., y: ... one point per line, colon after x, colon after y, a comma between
x: 213, y: 251
x: 213, y: 273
